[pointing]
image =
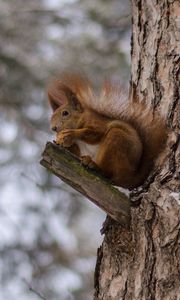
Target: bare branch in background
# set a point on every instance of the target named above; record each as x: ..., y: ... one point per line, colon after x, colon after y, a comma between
x: 31, y: 289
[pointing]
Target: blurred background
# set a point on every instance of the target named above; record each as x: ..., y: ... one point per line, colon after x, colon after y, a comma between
x: 49, y: 233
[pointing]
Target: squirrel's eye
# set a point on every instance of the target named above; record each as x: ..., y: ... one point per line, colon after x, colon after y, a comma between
x: 65, y: 113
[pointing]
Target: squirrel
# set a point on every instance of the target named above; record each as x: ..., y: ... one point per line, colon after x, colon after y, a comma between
x: 121, y: 137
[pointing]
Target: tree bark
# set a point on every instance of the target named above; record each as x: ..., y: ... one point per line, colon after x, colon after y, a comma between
x: 144, y: 263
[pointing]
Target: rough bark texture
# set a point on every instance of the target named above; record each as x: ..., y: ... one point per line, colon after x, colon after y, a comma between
x: 92, y: 185
x: 145, y: 262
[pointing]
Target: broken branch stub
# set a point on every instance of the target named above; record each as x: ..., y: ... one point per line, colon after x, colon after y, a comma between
x: 92, y: 185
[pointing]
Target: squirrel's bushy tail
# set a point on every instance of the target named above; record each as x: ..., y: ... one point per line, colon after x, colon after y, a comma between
x: 153, y: 134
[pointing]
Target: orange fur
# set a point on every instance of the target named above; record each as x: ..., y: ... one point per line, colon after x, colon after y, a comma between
x: 128, y: 135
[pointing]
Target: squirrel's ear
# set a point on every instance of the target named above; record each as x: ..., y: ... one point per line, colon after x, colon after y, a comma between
x: 60, y: 93
x: 57, y: 95
x: 74, y: 102
x: 54, y: 103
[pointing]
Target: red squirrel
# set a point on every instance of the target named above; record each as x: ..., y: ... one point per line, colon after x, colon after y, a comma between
x: 120, y: 137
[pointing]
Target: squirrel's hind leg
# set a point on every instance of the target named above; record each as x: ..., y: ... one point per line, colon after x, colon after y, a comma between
x: 117, y: 157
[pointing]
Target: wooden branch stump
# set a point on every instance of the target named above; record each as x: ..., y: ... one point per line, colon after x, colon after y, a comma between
x: 92, y: 185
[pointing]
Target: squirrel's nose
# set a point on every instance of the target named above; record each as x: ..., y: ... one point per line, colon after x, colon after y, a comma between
x: 54, y: 128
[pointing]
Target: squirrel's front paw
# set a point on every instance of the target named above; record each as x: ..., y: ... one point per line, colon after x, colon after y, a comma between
x: 65, y: 139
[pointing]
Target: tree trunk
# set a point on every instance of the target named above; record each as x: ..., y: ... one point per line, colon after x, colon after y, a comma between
x: 144, y: 263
